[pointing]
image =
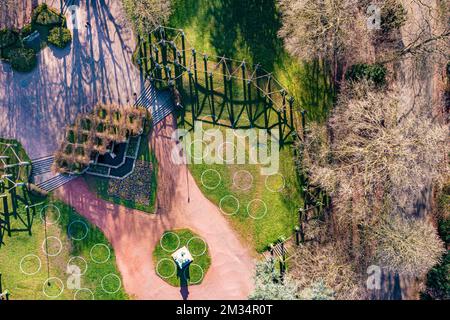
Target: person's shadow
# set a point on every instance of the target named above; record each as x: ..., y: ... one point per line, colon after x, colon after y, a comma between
x: 184, y: 276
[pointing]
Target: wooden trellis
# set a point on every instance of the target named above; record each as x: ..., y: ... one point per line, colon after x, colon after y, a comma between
x: 217, y: 90
x: 12, y: 167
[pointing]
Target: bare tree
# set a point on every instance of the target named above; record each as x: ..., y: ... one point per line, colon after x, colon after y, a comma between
x: 321, y: 29
x: 378, y: 158
x: 145, y: 15
x: 326, y: 264
x: 406, y: 246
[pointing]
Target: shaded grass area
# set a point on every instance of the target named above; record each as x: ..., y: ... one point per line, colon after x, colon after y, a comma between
x: 165, y: 266
x: 100, y: 185
x: 247, y: 29
x: 22, y: 254
x: 261, y: 208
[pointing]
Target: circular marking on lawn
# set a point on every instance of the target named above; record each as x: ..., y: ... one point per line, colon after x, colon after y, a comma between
x: 168, y: 234
x: 83, y: 290
x: 46, y: 244
x: 171, y: 262
x: 24, y: 260
x: 224, y: 199
x: 192, y: 251
x: 204, y: 149
x: 44, y: 210
x: 211, y: 187
x: 117, y: 279
x: 70, y: 263
x: 243, y: 180
x: 192, y: 265
x: 72, y: 228
x: 253, y: 215
x: 283, y: 183
x: 100, y: 245
x: 221, y: 149
x: 53, y: 283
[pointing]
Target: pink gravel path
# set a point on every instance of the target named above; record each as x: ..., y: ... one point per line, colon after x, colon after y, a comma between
x: 134, y: 234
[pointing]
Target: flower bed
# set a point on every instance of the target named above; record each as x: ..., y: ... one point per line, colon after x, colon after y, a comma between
x: 136, y: 187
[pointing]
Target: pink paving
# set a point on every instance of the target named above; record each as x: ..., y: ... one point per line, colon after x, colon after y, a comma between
x: 134, y: 234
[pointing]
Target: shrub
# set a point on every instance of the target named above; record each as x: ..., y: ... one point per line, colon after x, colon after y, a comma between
x: 23, y: 59
x: 373, y: 72
x: 393, y: 15
x: 45, y: 16
x: 8, y: 38
x: 26, y: 30
x: 438, y: 279
x: 60, y: 37
x: 270, y: 286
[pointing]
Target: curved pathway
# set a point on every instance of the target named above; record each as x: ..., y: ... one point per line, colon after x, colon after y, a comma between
x: 134, y: 234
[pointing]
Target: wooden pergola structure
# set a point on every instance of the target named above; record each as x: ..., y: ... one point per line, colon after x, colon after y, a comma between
x: 216, y: 90
x: 12, y: 171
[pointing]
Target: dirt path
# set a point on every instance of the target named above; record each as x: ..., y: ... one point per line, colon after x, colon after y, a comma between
x: 134, y: 234
x: 35, y: 107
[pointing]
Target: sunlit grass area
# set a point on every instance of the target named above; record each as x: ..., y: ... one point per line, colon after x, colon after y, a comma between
x: 73, y: 244
x: 262, y: 208
x: 165, y: 266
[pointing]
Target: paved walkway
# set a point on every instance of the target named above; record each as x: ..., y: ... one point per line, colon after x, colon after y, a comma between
x: 35, y: 107
x: 134, y: 234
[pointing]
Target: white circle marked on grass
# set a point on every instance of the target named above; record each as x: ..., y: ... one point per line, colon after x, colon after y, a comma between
x: 222, y: 149
x: 280, y: 188
x: 81, y: 290
x: 113, y: 276
x: 70, y: 263
x: 192, y: 265
x: 26, y: 258
x: 174, y: 268
x: 223, y: 199
x: 69, y: 230
x: 204, y: 149
x: 47, y: 284
x: 257, y: 217
x: 198, y: 254
x: 98, y: 245
x: 208, y: 186
x: 164, y: 235
x: 43, y: 210
x: 45, y: 243
x: 239, y: 174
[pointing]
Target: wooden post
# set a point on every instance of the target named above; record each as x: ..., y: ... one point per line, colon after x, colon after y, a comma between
x: 192, y: 98
x: 297, y: 235
x: 250, y: 104
x: 211, y: 86
x: 7, y: 215
x: 183, y: 47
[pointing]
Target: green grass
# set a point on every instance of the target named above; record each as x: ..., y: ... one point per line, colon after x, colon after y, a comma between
x: 282, y: 203
x: 100, y: 185
x: 166, y: 268
x: 247, y: 29
x: 22, y: 286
